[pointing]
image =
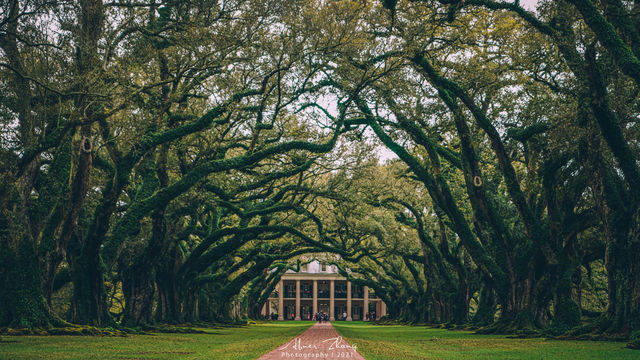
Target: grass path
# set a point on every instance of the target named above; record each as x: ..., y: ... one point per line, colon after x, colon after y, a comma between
x: 248, y: 342
x: 377, y: 342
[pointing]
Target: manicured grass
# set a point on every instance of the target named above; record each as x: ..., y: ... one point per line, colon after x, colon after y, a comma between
x: 248, y: 342
x: 378, y: 342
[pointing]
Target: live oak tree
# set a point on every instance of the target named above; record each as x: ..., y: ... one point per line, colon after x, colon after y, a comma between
x: 550, y: 229
x: 611, y: 57
x: 582, y: 83
x: 50, y: 108
x: 176, y: 158
x: 422, y: 275
x: 165, y: 107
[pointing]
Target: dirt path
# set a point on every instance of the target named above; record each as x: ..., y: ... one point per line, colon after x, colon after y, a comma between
x: 321, y: 341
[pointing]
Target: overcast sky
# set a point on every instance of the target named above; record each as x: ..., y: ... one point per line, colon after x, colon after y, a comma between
x: 529, y: 4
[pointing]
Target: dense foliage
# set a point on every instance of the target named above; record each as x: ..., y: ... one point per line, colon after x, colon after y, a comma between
x: 164, y: 162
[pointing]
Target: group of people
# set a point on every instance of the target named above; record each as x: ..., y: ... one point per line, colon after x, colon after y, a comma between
x: 320, y: 317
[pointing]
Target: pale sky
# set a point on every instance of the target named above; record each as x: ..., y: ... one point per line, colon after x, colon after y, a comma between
x: 529, y: 4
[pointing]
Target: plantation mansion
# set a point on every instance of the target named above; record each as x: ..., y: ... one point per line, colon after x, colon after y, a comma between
x: 318, y: 287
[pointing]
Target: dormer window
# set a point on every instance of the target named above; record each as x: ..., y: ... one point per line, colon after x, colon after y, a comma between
x: 323, y: 267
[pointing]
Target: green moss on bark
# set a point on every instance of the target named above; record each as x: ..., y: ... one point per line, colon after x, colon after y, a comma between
x: 23, y: 304
x: 567, y: 316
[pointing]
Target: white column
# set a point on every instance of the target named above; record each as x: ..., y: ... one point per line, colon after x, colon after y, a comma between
x: 281, y: 301
x: 297, y: 299
x: 383, y: 308
x: 366, y: 303
x: 349, y: 301
x: 332, y: 315
x: 315, y: 297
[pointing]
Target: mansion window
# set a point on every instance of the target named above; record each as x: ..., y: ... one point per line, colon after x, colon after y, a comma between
x: 323, y: 289
x: 306, y: 290
x: 357, y: 291
x: 290, y: 290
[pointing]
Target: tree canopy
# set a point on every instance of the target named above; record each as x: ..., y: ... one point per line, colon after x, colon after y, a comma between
x: 471, y: 161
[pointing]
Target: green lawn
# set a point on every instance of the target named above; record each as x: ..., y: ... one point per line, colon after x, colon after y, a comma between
x: 377, y: 342
x: 226, y: 343
x: 373, y: 342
